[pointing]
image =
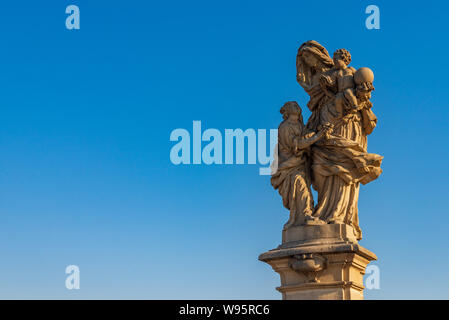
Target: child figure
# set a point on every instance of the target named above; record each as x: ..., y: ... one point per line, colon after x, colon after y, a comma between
x: 292, y: 178
x: 339, y: 82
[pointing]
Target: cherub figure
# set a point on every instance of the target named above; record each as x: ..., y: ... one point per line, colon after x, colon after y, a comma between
x: 339, y: 82
x: 292, y: 178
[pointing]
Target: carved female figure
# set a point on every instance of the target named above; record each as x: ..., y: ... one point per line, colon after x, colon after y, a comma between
x: 341, y: 162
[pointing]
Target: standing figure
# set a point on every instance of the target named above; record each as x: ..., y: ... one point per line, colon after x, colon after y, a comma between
x: 292, y: 178
x: 341, y: 163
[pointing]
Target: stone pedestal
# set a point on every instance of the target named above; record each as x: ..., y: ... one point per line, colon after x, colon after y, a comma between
x: 319, y: 262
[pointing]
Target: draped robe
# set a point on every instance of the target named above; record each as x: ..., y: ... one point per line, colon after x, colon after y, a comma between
x: 341, y: 163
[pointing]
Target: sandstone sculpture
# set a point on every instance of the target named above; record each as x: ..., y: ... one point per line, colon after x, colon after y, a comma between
x: 330, y: 154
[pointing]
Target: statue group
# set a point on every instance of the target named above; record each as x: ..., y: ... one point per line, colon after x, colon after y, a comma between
x: 329, y: 152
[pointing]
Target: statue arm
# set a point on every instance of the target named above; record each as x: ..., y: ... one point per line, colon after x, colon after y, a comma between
x: 328, y: 81
x: 307, y: 140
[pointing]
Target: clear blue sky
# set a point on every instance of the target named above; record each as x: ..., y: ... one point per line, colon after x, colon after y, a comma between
x: 86, y: 115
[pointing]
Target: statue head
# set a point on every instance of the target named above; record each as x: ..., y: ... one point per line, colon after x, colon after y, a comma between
x: 312, y: 58
x: 291, y: 110
x: 341, y: 58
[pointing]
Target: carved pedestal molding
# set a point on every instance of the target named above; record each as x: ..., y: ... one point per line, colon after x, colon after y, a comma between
x: 320, y: 262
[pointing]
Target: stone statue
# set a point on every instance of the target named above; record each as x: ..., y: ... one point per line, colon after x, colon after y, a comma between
x: 329, y: 153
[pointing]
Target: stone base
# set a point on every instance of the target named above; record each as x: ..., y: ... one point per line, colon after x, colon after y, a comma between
x: 318, y: 234
x: 319, y: 262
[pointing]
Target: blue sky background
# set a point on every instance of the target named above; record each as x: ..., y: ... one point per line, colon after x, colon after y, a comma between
x: 85, y: 120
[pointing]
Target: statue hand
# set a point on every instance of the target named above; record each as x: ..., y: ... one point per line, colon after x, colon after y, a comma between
x: 327, y: 129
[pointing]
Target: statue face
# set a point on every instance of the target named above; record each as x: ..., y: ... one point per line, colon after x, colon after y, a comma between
x: 339, y: 62
x: 293, y: 116
x: 310, y: 59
